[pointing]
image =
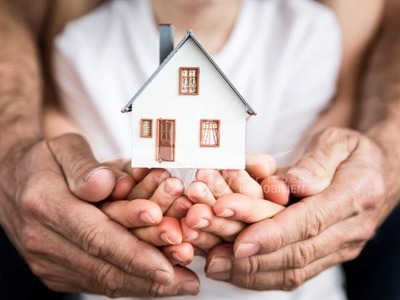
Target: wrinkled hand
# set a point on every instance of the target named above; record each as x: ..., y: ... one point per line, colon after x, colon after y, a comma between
x: 69, y: 243
x: 340, y: 178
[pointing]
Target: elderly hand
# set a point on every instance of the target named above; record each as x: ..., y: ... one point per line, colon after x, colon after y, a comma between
x: 69, y: 243
x: 340, y: 180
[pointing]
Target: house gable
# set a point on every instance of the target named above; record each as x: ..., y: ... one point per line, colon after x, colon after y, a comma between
x: 189, y: 37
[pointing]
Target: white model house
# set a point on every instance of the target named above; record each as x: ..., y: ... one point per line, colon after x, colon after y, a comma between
x: 187, y: 114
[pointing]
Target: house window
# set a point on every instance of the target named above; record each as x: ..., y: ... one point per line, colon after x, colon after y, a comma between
x: 189, y: 81
x: 209, y: 133
x: 146, y: 126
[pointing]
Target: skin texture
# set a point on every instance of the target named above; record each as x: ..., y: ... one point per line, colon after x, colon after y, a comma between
x: 37, y: 223
x: 69, y: 243
x: 333, y: 220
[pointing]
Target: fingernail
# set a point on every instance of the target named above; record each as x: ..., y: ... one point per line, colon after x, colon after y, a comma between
x: 210, y: 178
x: 145, y: 217
x: 164, y: 237
x: 94, y: 171
x: 202, y: 224
x: 230, y: 174
x: 219, y: 276
x: 161, y: 277
x: 246, y: 250
x: 202, y: 192
x: 160, y: 179
x: 188, y: 288
x: 176, y: 256
x: 194, y: 236
x: 219, y: 264
x: 170, y: 190
x: 227, y: 213
x: 301, y: 174
x: 179, y: 208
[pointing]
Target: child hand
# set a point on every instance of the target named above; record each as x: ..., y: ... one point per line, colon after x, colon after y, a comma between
x: 225, y: 202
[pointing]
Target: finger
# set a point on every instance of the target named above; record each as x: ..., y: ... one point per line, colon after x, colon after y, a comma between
x: 198, y: 192
x: 110, y: 245
x: 316, y: 169
x: 85, y: 225
x: 168, y: 191
x: 179, y: 208
x: 146, y: 187
x: 215, y: 182
x: 275, y: 190
x: 124, y: 183
x: 168, y: 232
x: 202, y: 241
x: 259, y: 166
x: 286, y: 280
x: 201, y: 216
x: 65, y: 267
x: 296, y: 255
x: 245, y: 209
x: 86, y: 178
x: 138, y: 174
x: 133, y: 213
x: 181, y: 254
x: 313, y: 215
x: 241, y: 182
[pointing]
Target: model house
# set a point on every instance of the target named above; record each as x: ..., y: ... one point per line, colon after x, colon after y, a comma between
x: 187, y: 114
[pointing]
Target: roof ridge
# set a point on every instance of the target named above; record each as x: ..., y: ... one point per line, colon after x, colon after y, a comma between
x: 189, y: 34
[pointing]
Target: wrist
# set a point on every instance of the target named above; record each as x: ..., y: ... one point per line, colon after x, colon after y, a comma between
x: 385, y: 135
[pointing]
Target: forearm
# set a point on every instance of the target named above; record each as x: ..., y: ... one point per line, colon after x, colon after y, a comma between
x: 20, y: 82
x: 380, y: 99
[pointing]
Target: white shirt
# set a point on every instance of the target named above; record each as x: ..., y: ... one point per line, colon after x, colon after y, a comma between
x: 282, y: 56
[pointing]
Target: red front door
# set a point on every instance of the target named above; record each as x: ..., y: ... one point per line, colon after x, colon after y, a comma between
x: 165, y: 140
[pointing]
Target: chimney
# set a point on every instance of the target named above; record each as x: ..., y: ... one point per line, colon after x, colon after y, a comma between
x: 166, y: 41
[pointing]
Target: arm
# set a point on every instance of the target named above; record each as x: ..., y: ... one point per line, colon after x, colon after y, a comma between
x: 347, y: 184
x: 67, y: 242
x: 355, y: 44
x: 20, y: 89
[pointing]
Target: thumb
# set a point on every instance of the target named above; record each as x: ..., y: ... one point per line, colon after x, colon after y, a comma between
x: 86, y: 178
x: 260, y: 166
x: 316, y: 169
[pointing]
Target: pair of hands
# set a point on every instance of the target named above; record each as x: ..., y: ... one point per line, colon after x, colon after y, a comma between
x: 177, y: 222
x: 73, y: 246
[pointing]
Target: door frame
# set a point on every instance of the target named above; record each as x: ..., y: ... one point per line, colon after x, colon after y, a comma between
x: 158, y: 139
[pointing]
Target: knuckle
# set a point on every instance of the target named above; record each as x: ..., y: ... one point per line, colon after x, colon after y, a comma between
x: 374, y: 190
x: 252, y: 265
x: 157, y: 290
x: 37, y: 269
x: 366, y: 231
x: 54, y: 286
x: 31, y: 200
x: 107, y: 279
x: 292, y: 279
x: 353, y: 253
x: 93, y: 240
x: 301, y: 255
x: 315, y: 221
x: 249, y: 282
x: 334, y: 135
x: 31, y: 241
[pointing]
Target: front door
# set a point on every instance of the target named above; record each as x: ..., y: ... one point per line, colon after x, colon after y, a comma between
x: 165, y: 140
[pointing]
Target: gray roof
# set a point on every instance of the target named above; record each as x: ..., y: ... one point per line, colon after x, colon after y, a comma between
x: 189, y: 34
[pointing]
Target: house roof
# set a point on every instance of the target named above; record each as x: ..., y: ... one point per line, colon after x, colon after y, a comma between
x: 189, y: 34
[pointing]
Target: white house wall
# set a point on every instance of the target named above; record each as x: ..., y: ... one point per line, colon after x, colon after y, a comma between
x: 216, y: 100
